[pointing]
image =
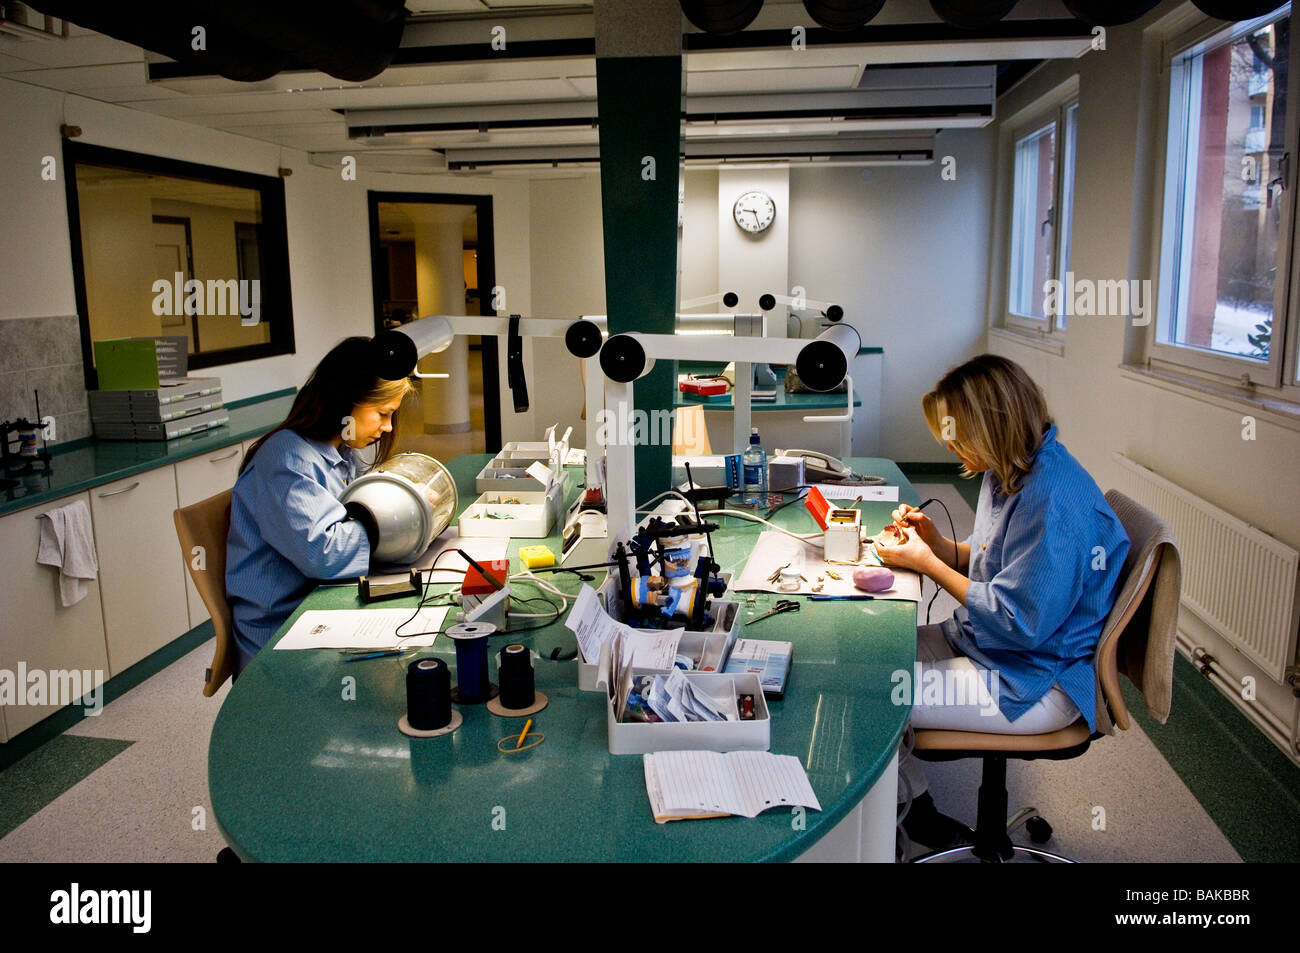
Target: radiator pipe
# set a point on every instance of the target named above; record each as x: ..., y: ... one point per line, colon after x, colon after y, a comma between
x: 1275, y: 728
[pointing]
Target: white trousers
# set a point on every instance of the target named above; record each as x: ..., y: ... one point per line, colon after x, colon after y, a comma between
x: 951, y: 691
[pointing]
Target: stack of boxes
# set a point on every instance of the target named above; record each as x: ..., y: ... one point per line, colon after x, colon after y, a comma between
x: 145, y: 395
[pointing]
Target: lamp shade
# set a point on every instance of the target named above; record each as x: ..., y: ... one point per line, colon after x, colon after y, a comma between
x: 1109, y: 12
x: 721, y: 17
x: 842, y: 15
x: 972, y: 14
x: 1236, y: 9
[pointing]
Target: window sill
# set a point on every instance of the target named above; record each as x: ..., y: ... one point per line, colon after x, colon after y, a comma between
x: 1273, y: 409
x: 1043, y: 342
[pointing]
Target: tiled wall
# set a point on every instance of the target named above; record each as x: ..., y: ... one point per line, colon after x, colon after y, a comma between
x: 44, y: 354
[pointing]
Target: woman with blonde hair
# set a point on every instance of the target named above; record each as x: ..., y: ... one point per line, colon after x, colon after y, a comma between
x: 1035, y: 580
x: 287, y: 526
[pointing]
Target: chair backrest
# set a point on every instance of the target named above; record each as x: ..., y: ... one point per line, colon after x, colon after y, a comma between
x: 1145, y: 613
x: 690, y: 434
x: 207, y: 524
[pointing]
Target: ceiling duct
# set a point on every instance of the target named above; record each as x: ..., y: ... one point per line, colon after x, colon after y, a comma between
x: 247, y: 40
x: 842, y: 15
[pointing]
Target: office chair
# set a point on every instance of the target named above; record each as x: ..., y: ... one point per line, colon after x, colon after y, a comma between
x: 1146, y: 615
x: 207, y: 524
x: 690, y: 433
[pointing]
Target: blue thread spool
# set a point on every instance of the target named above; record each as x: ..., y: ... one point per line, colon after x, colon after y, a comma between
x: 472, y: 684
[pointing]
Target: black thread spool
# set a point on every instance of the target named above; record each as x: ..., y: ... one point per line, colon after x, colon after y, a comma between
x: 515, y: 672
x: 428, y: 694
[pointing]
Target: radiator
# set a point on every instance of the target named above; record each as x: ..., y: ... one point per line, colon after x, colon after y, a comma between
x: 1238, y: 580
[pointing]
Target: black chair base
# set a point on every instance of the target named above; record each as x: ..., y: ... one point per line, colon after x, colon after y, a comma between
x: 991, y: 839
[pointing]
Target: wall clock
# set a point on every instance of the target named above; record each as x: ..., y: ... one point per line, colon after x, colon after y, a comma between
x: 754, y: 211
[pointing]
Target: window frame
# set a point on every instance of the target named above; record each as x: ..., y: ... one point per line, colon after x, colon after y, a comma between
x: 1277, y: 378
x: 1054, y: 107
x: 277, y: 289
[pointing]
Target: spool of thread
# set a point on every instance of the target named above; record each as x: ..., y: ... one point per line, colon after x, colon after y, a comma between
x: 515, y: 672
x: 428, y: 694
x: 472, y: 684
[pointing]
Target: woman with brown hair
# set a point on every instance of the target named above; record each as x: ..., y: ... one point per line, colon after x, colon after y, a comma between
x: 287, y: 526
x: 1035, y: 580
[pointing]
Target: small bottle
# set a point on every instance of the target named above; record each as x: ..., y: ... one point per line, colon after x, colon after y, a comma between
x: 754, y: 465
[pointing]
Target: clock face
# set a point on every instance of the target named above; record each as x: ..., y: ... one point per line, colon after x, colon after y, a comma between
x: 754, y: 211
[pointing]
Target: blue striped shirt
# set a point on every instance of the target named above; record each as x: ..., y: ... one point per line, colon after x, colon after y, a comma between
x: 1044, y: 568
x: 287, y: 530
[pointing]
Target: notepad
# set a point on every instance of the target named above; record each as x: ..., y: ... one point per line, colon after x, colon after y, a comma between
x: 683, y: 785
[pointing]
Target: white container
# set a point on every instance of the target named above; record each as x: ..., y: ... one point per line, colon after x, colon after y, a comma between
x: 639, y: 737
x: 512, y: 475
x: 713, y: 645
x: 531, y: 518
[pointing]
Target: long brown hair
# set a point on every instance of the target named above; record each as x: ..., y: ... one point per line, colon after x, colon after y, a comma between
x: 991, y: 410
x: 344, y: 379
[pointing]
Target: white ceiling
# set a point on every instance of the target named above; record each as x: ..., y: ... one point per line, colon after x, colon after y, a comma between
x: 303, y: 110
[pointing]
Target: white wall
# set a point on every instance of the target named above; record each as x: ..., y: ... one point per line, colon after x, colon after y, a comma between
x: 903, y: 252
x: 1187, y: 439
x: 328, y: 232
x: 568, y: 269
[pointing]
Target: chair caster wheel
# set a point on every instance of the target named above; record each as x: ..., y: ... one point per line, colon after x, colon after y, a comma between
x: 1040, y: 832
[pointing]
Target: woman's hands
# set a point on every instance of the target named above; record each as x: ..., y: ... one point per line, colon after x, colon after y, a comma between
x: 905, y: 549
x: 909, y: 517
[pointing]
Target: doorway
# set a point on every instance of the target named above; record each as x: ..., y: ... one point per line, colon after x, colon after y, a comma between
x: 401, y: 221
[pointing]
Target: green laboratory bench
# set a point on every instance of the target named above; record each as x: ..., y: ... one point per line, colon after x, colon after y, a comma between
x: 302, y: 769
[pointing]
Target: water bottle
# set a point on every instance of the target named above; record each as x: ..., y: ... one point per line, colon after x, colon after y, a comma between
x: 754, y: 465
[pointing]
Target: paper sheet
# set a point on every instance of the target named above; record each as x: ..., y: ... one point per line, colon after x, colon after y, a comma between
x: 362, y: 629
x: 832, y: 491
x: 775, y: 549
x: 451, y: 568
x: 654, y: 649
x: 704, y: 783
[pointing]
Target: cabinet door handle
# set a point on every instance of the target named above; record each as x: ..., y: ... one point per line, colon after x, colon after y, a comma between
x: 226, y: 457
x: 125, y: 489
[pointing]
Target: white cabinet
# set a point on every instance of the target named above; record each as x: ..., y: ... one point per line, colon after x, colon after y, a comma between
x: 38, y: 631
x: 197, y: 479
x: 140, y: 565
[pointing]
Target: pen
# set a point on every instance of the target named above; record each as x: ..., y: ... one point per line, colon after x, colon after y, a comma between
x: 385, y: 654
x: 823, y: 597
x: 527, y: 725
x: 490, y: 579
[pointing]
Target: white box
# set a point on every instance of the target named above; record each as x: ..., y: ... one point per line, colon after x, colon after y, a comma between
x: 512, y: 475
x: 532, y: 517
x: 639, y: 737
x: 713, y: 644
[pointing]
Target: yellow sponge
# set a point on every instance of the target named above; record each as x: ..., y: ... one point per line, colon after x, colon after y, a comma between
x: 535, y: 557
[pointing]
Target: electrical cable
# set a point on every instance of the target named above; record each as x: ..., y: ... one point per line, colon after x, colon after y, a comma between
x: 424, y: 599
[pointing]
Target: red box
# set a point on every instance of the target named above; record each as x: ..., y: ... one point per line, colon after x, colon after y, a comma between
x: 703, y: 388
x: 476, y: 585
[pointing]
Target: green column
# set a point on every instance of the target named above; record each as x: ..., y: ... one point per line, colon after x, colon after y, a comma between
x: 639, y: 88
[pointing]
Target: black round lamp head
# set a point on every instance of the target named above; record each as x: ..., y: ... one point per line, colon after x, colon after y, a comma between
x: 842, y: 15
x: 721, y: 17
x: 972, y: 14
x: 766, y: 302
x: 622, y: 359
x: 582, y: 338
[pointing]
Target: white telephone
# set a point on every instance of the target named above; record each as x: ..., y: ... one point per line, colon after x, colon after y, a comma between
x: 822, y: 466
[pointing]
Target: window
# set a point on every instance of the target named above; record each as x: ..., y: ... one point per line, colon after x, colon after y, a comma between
x: 1225, y: 247
x: 162, y: 247
x: 1041, y: 216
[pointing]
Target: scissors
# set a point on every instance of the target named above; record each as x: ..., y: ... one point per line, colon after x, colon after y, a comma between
x: 784, y: 605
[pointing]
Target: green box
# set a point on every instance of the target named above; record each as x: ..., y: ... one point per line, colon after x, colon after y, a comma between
x: 127, y: 364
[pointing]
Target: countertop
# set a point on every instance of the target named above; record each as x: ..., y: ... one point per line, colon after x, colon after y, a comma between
x: 103, y: 461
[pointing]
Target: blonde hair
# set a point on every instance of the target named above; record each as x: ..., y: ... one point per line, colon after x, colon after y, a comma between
x: 990, y: 410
